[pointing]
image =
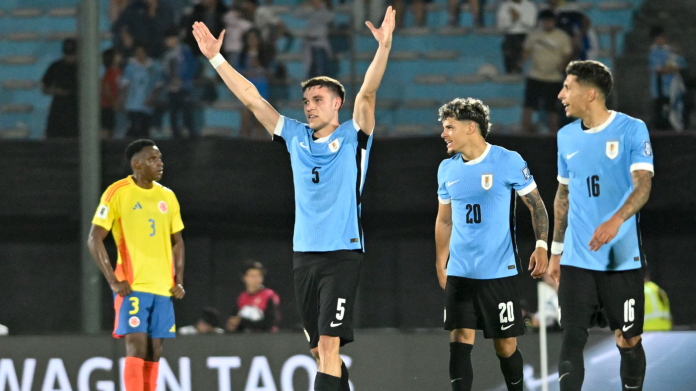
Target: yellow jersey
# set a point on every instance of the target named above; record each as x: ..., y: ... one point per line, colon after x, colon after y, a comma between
x: 142, y: 222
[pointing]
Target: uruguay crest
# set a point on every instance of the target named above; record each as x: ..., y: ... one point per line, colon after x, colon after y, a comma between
x: 334, y: 145
x: 486, y: 181
x: 612, y: 149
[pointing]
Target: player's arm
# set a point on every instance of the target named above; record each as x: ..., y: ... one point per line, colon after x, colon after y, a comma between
x: 560, y: 216
x: 242, y: 88
x: 178, y: 254
x: 443, y: 233
x: 95, y: 243
x: 642, y: 184
x: 540, y: 221
x: 364, y: 108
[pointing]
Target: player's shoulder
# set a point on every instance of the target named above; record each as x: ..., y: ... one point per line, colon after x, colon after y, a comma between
x: 117, y: 188
x: 570, y: 129
x: 628, y: 122
x: 499, y: 153
x: 449, y: 161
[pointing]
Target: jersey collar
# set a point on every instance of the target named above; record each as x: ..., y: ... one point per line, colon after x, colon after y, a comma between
x: 602, y: 126
x: 480, y: 158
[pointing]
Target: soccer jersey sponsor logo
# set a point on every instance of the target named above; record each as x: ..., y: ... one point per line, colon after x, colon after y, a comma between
x: 103, y: 212
x: 134, y: 321
x: 487, y: 181
x: 334, y: 146
x: 612, y: 149
x: 163, y: 207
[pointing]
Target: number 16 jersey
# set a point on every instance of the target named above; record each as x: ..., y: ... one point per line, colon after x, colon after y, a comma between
x: 596, y: 164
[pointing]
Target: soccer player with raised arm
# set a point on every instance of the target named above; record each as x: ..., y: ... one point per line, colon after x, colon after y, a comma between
x: 605, y: 169
x: 477, y: 261
x: 144, y: 219
x: 329, y: 161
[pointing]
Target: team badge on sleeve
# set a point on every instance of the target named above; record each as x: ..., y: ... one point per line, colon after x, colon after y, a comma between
x: 612, y: 149
x: 647, y: 148
x: 487, y: 181
x: 526, y: 174
x: 103, y: 212
x: 162, y: 207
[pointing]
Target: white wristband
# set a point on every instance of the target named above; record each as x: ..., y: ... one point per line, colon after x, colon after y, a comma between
x: 217, y: 60
x: 542, y: 244
x: 556, y: 248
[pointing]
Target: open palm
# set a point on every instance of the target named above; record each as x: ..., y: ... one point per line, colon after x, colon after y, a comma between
x: 207, y: 43
x: 383, y: 34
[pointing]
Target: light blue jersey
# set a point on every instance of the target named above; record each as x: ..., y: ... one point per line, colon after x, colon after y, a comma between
x: 596, y: 164
x: 482, y: 194
x: 329, y: 175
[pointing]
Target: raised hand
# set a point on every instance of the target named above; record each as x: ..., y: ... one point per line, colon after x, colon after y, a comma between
x: 207, y: 43
x: 383, y: 34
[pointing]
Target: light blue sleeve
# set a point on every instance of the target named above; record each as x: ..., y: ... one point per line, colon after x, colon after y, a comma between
x: 288, y: 129
x: 640, y: 148
x: 442, y: 193
x: 563, y: 175
x: 518, y: 175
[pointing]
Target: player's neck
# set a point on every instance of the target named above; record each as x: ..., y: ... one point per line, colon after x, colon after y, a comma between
x: 595, y: 117
x: 142, y: 183
x: 327, y: 130
x: 474, y: 149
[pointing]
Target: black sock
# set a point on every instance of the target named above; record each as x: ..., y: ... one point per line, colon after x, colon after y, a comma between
x: 633, y: 367
x: 324, y: 382
x: 571, y: 366
x: 513, y: 371
x: 460, y: 369
x: 345, y: 386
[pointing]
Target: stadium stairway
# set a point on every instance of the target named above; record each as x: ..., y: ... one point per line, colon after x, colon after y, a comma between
x: 428, y: 66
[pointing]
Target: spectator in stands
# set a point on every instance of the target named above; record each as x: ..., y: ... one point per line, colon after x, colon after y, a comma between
x: 180, y: 67
x: 146, y: 21
x: 109, y: 91
x: 516, y: 18
x: 60, y: 81
x: 317, y: 49
x: 209, y: 323
x: 210, y: 12
x: 589, y: 45
x: 666, y: 66
x: 549, y: 49
x: 140, y: 84
x: 571, y: 20
x: 417, y: 7
x: 658, y: 316
x: 116, y: 8
x: 254, y: 63
x: 269, y: 24
x: 235, y: 28
x: 258, y: 308
x: 476, y: 7
x: 375, y: 9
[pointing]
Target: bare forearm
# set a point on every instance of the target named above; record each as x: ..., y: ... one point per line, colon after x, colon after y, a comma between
x: 540, y: 218
x: 443, y: 233
x: 560, y: 213
x: 375, y: 72
x: 178, y: 251
x: 101, y: 258
x: 642, y: 184
x: 242, y: 88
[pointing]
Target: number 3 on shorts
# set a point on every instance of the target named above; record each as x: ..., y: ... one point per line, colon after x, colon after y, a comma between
x: 136, y: 305
x: 341, y: 310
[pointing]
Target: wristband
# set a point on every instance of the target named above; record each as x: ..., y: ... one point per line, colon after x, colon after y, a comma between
x: 556, y: 248
x: 217, y: 60
x: 542, y: 244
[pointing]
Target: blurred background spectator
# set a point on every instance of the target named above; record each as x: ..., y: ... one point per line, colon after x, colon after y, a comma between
x: 110, y: 102
x: 667, y: 84
x: 140, y: 83
x: 235, y: 28
x: 657, y: 310
x: 258, y: 308
x: 254, y: 63
x: 475, y: 7
x: 210, y: 12
x: 317, y: 49
x: 269, y: 24
x: 516, y: 18
x: 180, y: 67
x: 145, y: 22
x: 209, y: 323
x: 372, y: 10
x: 60, y: 82
x: 549, y: 49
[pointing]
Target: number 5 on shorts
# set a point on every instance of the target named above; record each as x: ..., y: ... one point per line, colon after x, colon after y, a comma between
x: 341, y: 310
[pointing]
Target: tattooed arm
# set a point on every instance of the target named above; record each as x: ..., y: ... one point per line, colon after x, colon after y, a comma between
x: 560, y: 216
x: 642, y: 184
x: 540, y: 221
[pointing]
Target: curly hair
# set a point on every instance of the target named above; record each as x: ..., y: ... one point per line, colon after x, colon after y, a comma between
x: 468, y: 109
x: 593, y: 73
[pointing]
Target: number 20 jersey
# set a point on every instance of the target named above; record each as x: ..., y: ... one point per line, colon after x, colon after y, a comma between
x: 328, y: 175
x: 482, y: 195
x: 596, y: 164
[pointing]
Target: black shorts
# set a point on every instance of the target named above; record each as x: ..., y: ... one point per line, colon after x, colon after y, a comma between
x: 542, y: 95
x: 489, y: 305
x: 325, y: 287
x: 582, y: 293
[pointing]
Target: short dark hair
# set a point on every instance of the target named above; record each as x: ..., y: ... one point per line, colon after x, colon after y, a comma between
x: 137, y: 146
x: 254, y: 265
x: 468, y: 109
x: 547, y: 14
x: 69, y: 46
x: 108, y: 57
x: 656, y: 31
x: 594, y: 73
x: 324, y: 81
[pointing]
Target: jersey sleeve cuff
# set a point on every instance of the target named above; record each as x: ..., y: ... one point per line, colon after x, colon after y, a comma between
x: 279, y: 126
x: 643, y: 166
x: 357, y: 128
x: 527, y: 189
x: 445, y: 201
x: 562, y: 180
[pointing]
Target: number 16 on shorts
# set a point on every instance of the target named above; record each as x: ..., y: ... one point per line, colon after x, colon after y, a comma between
x: 340, y: 312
